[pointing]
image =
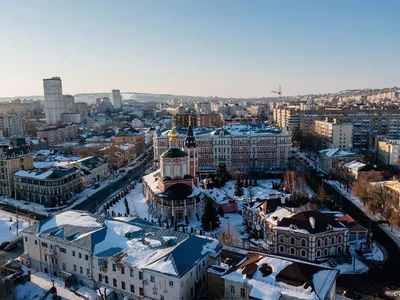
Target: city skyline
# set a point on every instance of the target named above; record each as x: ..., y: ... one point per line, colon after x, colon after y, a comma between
x: 226, y: 49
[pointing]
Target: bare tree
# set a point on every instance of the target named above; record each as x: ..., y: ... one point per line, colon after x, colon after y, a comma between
x: 290, y: 181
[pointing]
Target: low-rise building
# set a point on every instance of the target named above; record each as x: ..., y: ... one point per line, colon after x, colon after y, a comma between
x: 58, y: 134
x: 330, y: 159
x: 95, y: 169
x: 259, y: 276
x: 134, y: 258
x: 11, y: 160
x: 129, y: 137
x: 51, y: 188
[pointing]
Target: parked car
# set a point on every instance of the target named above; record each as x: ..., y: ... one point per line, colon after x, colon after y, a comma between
x: 349, y: 294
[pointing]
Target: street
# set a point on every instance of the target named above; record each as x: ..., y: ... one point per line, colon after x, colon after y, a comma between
x: 102, y: 196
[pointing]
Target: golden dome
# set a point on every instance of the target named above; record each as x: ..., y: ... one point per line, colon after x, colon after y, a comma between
x: 173, y: 135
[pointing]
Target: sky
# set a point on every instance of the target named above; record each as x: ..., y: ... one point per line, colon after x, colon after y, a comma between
x: 205, y: 47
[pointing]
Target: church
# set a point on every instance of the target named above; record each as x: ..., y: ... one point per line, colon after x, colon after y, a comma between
x: 171, y: 192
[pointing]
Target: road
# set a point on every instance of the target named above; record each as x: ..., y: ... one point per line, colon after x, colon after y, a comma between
x: 102, y: 196
x: 380, y: 276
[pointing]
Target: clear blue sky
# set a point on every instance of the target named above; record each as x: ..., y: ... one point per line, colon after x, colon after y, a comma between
x: 220, y: 48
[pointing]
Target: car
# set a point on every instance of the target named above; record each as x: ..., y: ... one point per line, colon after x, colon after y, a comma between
x: 352, y: 295
x: 4, y: 244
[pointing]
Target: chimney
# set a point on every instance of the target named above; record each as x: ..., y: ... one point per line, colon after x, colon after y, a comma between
x: 312, y: 222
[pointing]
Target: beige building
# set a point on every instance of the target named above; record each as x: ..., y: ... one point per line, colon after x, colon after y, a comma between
x: 129, y: 137
x: 388, y: 152
x: 58, y: 134
x: 11, y: 160
x: 334, y: 135
x: 51, y: 188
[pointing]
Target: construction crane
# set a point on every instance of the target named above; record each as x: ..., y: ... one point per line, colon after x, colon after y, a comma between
x: 279, y: 92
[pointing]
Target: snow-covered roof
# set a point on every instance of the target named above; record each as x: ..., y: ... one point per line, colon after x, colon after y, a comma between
x: 336, y: 152
x: 272, y: 278
x: 133, y: 243
x: 50, y: 174
x: 355, y: 166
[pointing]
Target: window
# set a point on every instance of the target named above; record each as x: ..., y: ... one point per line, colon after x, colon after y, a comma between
x: 63, y: 267
x: 35, y: 242
x: 63, y: 250
x: 281, y: 249
x: 282, y: 238
x: 303, y: 242
x: 171, y: 283
x: 191, y: 292
x: 73, y: 253
x: 75, y: 268
x: 44, y: 245
x: 333, y: 240
x: 242, y: 293
x: 161, y: 297
x: 81, y: 270
x: 87, y: 272
x: 292, y: 251
x: 339, y: 239
x: 319, y: 243
x: 326, y: 252
x: 100, y: 278
x: 106, y: 279
x: 123, y: 285
x: 26, y: 239
x: 131, y: 272
x: 80, y: 255
x: 232, y: 289
x: 141, y: 275
x: 292, y: 240
x: 141, y: 291
x: 114, y: 267
x: 86, y: 257
x: 318, y: 253
x: 132, y: 288
x: 151, y: 278
x: 122, y: 270
x: 114, y: 282
x: 326, y: 241
x: 303, y: 253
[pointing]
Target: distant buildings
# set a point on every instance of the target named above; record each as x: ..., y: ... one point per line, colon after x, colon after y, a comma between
x: 127, y: 136
x: 50, y: 188
x: 13, y: 124
x: 388, y: 152
x: 197, y: 120
x: 11, y: 160
x: 116, y: 99
x: 334, y: 135
x: 53, y: 100
x: 82, y: 109
x: 241, y: 148
x: 58, y: 134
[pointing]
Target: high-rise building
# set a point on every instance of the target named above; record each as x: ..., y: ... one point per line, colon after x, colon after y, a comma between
x: 53, y: 99
x: 82, y: 109
x: 69, y: 104
x: 334, y: 135
x: 13, y: 124
x: 116, y: 99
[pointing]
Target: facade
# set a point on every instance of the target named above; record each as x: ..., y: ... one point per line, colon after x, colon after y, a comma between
x: 203, y: 107
x: 367, y: 124
x: 121, y: 155
x: 71, y: 118
x: 388, y: 152
x: 171, y: 192
x: 58, y: 134
x: 82, y: 109
x: 68, y: 104
x: 198, y: 120
x: 94, y: 169
x: 116, y: 99
x: 13, y: 159
x: 334, y: 135
x: 238, y: 148
x: 53, y: 100
x: 259, y: 276
x: 129, y: 137
x: 51, y: 188
x: 134, y: 258
x: 13, y: 124
x: 330, y: 159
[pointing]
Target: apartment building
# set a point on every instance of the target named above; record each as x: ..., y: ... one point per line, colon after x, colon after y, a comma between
x: 367, y: 124
x: 13, y: 159
x: 50, y: 188
x: 197, y: 120
x: 13, y: 124
x: 388, y: 152
x: 58, y: 134
x: 82, y: 109
x: 334, y: 135
x: 134, y: 258
x: 242, y: 148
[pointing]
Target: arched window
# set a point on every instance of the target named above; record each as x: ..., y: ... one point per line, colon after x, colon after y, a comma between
x: 319, y: 243
x: 319, y: 253
x: 339, y: 239
x: 282, y: 249
x: 333, y: 240
x: 303, y: 253
x: 281, y: 238
x: 177, y: 171
x: 326, y: 252
x: 167, y: 170
x: 339, y: 249
x: 303, y: 242
x: 326, y: 241
x: 292, y: 240
x: 292, y: 251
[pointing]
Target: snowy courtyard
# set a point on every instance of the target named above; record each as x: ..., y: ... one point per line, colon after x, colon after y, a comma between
x: 8, y: 225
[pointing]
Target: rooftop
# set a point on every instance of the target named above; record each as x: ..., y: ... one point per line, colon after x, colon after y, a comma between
x: 330, y: 152
x: 50, y: 174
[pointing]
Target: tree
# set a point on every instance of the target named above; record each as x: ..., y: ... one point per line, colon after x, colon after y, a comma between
x: 210, y: 216
x: 238, y: 188
x: 363, y: 188
x: 290, y: 181
x: 126, y: 207
x: 229, y: 237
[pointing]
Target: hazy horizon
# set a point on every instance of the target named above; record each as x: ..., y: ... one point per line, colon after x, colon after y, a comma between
x: 230, y: 49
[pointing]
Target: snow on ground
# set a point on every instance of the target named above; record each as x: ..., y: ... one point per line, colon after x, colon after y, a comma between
x: 5, y: 224
x: 358, y: 268
x: 376, y: 254
x: 40, y: 283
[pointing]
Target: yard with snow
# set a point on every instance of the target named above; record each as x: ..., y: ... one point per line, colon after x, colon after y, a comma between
x: 8, y: 229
